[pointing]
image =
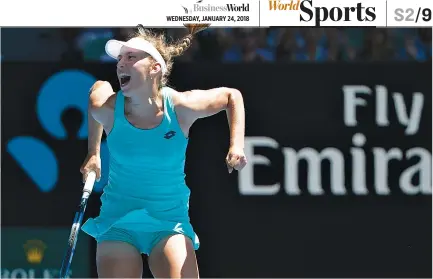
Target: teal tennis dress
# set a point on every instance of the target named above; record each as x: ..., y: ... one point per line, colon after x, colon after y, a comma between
x: 146, y: 198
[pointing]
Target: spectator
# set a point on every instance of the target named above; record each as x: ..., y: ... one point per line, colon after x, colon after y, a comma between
x: 377, y: 46
x: 333, y: 44
x: 352, y: 41
x: 286, y: 45
x: 235, y: 45
x: 310, y: 45
x: 425, y: 35
x: 248, y: 49
x: 47, y: 44
x: 92, y: 43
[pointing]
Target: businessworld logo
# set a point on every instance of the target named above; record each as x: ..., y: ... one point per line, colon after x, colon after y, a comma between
x: 60, y: 92
x: 211, y: 12
x: 199, y: 6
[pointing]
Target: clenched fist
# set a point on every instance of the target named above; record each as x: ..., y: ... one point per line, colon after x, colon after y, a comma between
x: 235, y: 159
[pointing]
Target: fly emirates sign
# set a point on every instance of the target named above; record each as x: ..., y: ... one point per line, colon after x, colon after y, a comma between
x: 357, y: 169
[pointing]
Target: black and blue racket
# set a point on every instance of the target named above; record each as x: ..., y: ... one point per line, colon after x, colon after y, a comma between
x: 87, y: 190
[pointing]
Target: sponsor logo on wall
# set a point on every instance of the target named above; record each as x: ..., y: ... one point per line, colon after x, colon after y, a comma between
x: 60, y: 92
x: 37, y: 253
x: 361, y: 169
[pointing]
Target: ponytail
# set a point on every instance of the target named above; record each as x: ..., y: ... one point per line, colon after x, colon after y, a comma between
x: 195, y: 28
x: 166, y: 49
x: 179, y: 48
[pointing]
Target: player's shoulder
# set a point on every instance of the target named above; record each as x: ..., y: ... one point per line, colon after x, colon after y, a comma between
x: 176, y: 97
x: 101, y: 94
x: 103, y: 110
x: 111, y: 101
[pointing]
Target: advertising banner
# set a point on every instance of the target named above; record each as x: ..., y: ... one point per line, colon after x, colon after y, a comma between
x: 29, y: 252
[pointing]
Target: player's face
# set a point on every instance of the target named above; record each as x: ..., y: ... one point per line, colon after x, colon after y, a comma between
x: 133, y: 69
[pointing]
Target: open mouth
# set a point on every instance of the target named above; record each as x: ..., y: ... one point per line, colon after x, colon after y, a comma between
x: 124, y: 80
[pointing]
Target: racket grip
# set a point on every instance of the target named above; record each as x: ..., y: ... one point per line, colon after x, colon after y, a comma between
x: 90, y: 181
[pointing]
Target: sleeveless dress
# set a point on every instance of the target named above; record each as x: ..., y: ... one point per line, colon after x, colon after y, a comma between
x: 146, y: 198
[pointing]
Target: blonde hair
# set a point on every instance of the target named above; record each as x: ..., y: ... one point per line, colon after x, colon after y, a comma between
x: 169, y: 50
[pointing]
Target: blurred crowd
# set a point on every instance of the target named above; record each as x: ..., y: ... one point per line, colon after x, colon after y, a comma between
x: 229, y: 45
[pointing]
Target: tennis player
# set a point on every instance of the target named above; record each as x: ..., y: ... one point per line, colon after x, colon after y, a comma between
x: 145, y: 203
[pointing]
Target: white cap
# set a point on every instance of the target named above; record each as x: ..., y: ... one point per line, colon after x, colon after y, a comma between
x: 113, y: 48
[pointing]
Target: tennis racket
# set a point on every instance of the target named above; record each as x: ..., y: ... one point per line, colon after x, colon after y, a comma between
x: 78, y: 219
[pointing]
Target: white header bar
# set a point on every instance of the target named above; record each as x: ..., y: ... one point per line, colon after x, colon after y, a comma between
x: 219, y: 13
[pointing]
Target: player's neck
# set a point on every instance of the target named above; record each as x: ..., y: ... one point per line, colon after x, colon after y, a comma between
x: 146, y: 103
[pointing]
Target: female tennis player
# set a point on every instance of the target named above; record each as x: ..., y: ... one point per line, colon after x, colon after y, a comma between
x: 145, y: 203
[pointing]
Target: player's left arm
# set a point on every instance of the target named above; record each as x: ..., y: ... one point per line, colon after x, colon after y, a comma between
x: 196, y: 104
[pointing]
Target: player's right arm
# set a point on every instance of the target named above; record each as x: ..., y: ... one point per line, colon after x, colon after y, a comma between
x: 101, y: 107
x: 100, y: 117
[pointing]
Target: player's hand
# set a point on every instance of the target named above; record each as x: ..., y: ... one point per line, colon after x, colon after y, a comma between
x: 91, y: 163
x: 235, y: 159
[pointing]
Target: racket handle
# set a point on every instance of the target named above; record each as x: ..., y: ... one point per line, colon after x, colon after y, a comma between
x: 90, y: 181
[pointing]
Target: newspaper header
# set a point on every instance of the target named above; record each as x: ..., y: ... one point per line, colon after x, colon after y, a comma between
x: 218, y: 13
